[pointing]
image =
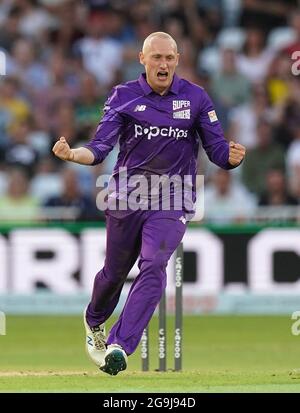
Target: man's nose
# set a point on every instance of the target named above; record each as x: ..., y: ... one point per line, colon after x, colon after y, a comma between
x: 163, y: 64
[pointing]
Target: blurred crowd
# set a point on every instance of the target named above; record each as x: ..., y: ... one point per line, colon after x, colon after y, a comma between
x: 63, y: 56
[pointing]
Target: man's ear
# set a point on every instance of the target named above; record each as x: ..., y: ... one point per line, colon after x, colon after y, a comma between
x: 141, y: 56
x: 178, y: 55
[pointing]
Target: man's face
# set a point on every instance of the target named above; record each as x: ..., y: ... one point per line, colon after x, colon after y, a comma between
x: 160, y: 59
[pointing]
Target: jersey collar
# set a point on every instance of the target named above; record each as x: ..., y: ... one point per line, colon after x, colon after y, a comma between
x: 174, y: 88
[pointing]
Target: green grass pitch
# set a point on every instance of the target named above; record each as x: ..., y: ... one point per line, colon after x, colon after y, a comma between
x: 220, y: 354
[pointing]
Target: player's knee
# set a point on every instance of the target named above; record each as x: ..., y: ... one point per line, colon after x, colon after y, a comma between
x: 113, y: 276
x: 157, y: 263
x: 119, y: 276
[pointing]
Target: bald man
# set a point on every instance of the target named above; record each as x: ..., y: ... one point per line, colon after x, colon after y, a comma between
x: 159, y: 121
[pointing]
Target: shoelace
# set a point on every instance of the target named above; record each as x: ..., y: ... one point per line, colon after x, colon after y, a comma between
x: 99, y: 339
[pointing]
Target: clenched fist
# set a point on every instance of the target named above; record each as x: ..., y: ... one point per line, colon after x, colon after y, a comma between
x: 62, y: 150
x: 236, y: 153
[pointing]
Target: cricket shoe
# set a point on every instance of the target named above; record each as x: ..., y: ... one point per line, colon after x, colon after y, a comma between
x: 115, y: 360
x: 95, y: 342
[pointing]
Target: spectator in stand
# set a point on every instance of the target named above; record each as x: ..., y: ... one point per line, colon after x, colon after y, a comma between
x: 199, y: 33
x: 97, y: 50
x: 279, y: 80
x: 5, y: 7
x: 265, y: 156
x: 89, y: 105
x: 11, y: 103
x: 226, y: 201
x: 64, y: 86
x: 61, y: 37
x: 10, y: 29
x: 19, y: 152
x: 46, y: 182
x: 276, y: 193
x: 35, y: 19
x: 229, y: 87
x: 72, y: 196
x: 117, y: 26
x: 17, y: 204
x: 231, y: 12
x: 255, y: 58
x: 267, y: 14
x: 211, y: 11
x: 287, y: 115
x: 243, y: 118
x: 26, y: 67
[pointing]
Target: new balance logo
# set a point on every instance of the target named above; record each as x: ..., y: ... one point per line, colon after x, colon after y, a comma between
x: 140, y: 108
x: 90, y: 341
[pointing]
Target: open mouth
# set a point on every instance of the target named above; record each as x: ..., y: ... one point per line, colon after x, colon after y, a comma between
x: 162, y: 75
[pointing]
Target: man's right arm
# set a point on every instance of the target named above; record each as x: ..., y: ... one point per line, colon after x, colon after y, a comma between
x: 106, y: 137
x: 82, y: 155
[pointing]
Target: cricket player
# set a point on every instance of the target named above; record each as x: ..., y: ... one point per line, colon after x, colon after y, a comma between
x: 159, y: 121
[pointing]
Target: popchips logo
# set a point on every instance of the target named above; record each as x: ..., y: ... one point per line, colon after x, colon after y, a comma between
x: 153, y: 131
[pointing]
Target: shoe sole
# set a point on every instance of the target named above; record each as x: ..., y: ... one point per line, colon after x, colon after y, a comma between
x: 114, y: 363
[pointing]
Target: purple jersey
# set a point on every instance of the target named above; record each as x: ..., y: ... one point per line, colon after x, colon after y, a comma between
x: 159, y: 135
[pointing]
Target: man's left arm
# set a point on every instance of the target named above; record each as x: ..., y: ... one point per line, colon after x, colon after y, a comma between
x: 237, y: 153
x: 219, y: 151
